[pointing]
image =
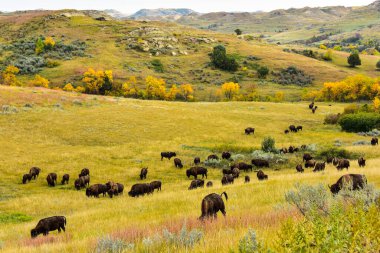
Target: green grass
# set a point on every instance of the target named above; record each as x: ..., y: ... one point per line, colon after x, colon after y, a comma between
x: 115, y: 138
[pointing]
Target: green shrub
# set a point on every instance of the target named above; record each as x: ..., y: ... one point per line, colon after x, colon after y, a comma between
x: 268, y: 144
x: 14, y: 218
x: 352, y: 108
x: 262, y: 72
x: 354, y: 60
x: 359, y: 122
x: 336, y: 152
x: 111, y: 245
x: 249, y: 244
x: 157, y: 65
x: 292, y: 75
x: 332, y: 119
x: 221, y: 60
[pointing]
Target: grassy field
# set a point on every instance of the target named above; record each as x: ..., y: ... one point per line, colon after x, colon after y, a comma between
x: 115, y: 138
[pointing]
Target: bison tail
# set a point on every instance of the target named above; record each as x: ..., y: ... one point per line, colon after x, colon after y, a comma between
x: 225, y: 195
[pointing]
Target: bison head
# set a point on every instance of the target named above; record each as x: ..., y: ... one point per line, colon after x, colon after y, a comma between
x: 334, y: 189
x: 188, y: 173
x: 34, y: 233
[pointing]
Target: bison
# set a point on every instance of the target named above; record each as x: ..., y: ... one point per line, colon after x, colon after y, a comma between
x: 242, y: 166
x: 65, y: 179
x: 293, y: 128
x: 374, y: 141
x: 143, y: 173
x: 26, y: 178
x: 82, y: 182
x: 235, y: 172
x: 319, y: 167
x: 51, y: 179
x: 299, y: 168
x: 361, y: 162
x: 197, y: 160
x: 310, y: 164
x: 178, y: 163
x: 227, y: 179
x: 96, y: 189
x: 84, y: 172
x: 260, y: 163
x: 34, y: 171
x: 343, y: 164
x: 314, y: 109
x: 329, y: 160
x: 213, y: 157
x: 156, y: 185
x: 212, y: 204
x: 227, y: 172
x: 195, y: 171
x: 168, y: 155
x: 46, y: 225
x: 113, y: 189
x: 247, y: 179
x: 306, y: 157
x: 311, y: 106
x: 226, y: 155
x: 140, y: 190
x: 249, y: 130
x: 299, y: 128
x: 196, y: 183
x: 335, y: 161
x: 286, y: 131
x: 354, y: 181
x: 261, y: 175
x: 209, y: 184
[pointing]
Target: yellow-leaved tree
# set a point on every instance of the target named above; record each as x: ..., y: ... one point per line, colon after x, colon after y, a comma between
x: 129, y: 88
x: 155, y: 88
x: 39, y: 81
x: 172, y: 93
x: 98, y: 82
x: 9, y: 76
x: 187, y: 91
x: 230, y: 90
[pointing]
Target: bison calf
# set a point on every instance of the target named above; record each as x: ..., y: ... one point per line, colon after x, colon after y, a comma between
x: 143, y: 173
x: 261, y: 175
x: 209, y: 184
x: 46, y: 225
x: 247, y: 179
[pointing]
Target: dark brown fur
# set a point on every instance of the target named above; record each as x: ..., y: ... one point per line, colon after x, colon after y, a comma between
x: 46, y: 225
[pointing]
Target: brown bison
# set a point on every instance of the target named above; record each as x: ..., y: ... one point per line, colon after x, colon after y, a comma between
x: 195, y: 171
x: 143, y: 173
x: 114, y: 189
x: 353, y: 181
x: 156, y: 185
x: 284, y: 150
x: 209, y: 184
x: 247, y: 179
x: 361, y: 162
x: 335, y: 161
x: 310, y: 164
x: 261, y: 175
x: 293, y: 128
x: 65, y: 179
x: 343, y: 164
x: 314, y: 109
x: 82, y: 182
x: 227, y: 179
x: 178, y: 163
x: 319, y: 167
x: 299, y: 168
x: 311, y: 105
x: 168, y: 155
x: 96, y: 189
x: 235, y: 172
x: 227, y: 172
x: 249, y: 130
x: 226, y: 155
x: 51, y: 179
x: 329, y: 160
x: 299, y: 128
x: 212, y: 204
x: 140, y: 190
x: 374, y: 141
x: 26, y: 178
x: 34, y: 171
x: 46, y: 225
x: 196, y: 183
x: 259, y: 163
x: 197, y: 160
x: 84, y: 172
x: 306, y: 157
x: 242, y: 166
x: 213, y: 157
x: 286, y: 131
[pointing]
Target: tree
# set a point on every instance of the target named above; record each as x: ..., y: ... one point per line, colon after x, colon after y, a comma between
x: 328, y: 55
x: 238, y: 31
x: 98, y: 82
x: 262, y: 72
x: 9, y: 76
x: 39, y: 46
x: 187, y: 91
x: 155, y: 88
x: 378, y: 65
x: 39, y: 81
x: 221, y: 60
x: 354, y: 60
x: 230, y: 90
x: 173, y: 92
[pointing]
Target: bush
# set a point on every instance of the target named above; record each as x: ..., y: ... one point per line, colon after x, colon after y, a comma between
x: 292, y: 75
x: 327, y: 56
x: 268, y: 144
x: 262, y: 72
x: 110, y: 245
x: 336, y: 152
x: 221, y: 60
x: 332, y: 119
x: 184, y: 238
x: 249, y: 244
x: 354, y: 60
x: 359, y: 122
x: 269, y: 156
x: 157, y: 65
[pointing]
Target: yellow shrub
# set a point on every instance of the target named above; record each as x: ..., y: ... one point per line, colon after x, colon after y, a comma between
x: 49, y: 42
x: 69, y: 87
x: 9, y: 76
x: 322, y: 47
x: 230, y: 90
x: 187, y: 91
x: 39, y: 81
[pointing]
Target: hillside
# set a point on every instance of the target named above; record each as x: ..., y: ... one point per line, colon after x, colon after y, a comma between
x: 94, y: 39
x: 161, y: 14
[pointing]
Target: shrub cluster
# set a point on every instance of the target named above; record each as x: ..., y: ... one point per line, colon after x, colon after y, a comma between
x: 332, y: 119
x: 336, y: 152
x: 359, y: 122
x: 221, y: 60
x: 292, y: 75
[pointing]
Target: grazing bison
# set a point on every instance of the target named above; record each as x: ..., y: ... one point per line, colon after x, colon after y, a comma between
x: 261, y: 175
x: 209, y: 184
x: 249, y: 130
x: 260, y: 163
x: 235, y: 172
x: 213, y: 157
x: 195, y: 171
x: 178, y: 163
x: 310, y: 164
x: 143, y: 173
x: 196, y: 183
x: 120, y: 188
x: 212, y: 204
x: 314, y: 109
x: 156, y: 185
x: 96, y: 189
x: 243, y: 166
x: 168, y: 155
x: 82, y: 182
x: 299, y: 168
x: 284, y: 150
x: 197, y: 160
x: 112, y: 189
x: 226, y: 155
x: 374, y: 141
x: 247, y: 179
x: 343, y: 164
x: 34, y: 171
x: 84, y: 172
x: 26, y: 178
x: 65, y: 179
x: 329, y: 160
x: 293, y: 128
x: 51, y: 179
x: 286, y: 131
x: 361, y: 162
x: 306, y: 157
x: 140, y: 190
x: 311, y: 105
x: 319, y: 167
x: 303, y: 147
x: 227, y: 171
x: 335, y: 161
x: 227, y: 179
x: 356, y: 181
x: 291, y: 149
x: 299, y: 128
x: 46, y: 225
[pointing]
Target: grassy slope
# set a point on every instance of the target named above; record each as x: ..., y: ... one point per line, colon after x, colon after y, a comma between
x: 116, y: 138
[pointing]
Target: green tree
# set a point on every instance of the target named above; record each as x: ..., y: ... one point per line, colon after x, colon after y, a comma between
x: 238, y: 31
x: 354, y: 60
x: 221, y: 60
x: 39, y: 46
x: 262, y: 72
